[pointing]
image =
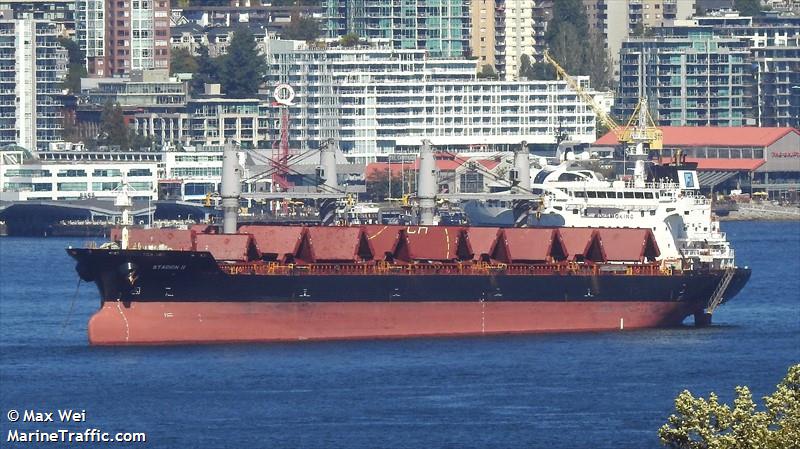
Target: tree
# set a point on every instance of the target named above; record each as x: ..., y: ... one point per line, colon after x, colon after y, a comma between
x: 113, y: 130
x: 349, y: 40
x: 182, y: 61
x: 302, y: 28
x: 487, y: 72
x: 702, y: 424
x: 242, y: 69
x: 567, y: 41
x: 748, y: 7
x: 207, y: 71
x: 526, y: 68
x: 139, y: 141
x: 76, y: 66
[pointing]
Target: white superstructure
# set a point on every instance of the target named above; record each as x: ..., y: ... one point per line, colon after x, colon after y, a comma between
x: 669, y: 203
x: 673, y: 208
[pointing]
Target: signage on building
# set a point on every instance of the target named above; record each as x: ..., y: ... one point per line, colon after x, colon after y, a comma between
x: 786, y: 154
x: 283, y: 94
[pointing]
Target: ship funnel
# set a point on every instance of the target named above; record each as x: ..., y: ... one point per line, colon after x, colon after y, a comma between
x: 426, y: 184
x: 231, y: 188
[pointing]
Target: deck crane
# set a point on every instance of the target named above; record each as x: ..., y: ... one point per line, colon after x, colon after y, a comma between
x: 639, y: 135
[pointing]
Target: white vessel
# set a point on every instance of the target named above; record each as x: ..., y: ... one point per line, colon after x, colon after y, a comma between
x: 664, y: 198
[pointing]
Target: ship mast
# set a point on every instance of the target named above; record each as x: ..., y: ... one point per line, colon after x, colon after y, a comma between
x: 230, y: 189
x: 520, y: 177
x: 327, y: 174
x: 426, y: 184
x: 124, y: 203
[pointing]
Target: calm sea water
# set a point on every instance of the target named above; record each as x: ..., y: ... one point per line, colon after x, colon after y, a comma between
x: 599, y: 390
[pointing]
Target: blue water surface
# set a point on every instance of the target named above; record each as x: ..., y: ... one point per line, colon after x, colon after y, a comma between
x: 598, y: 390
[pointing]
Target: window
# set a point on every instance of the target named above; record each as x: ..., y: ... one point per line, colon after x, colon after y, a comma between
x: 591, y: 194
x: 198, y: 188
x: 628, y: 195
x: 71, y: 186
x: 471, y: 182
x: 104, y: 186
x: 71, y: 174
x: 639, y: 195
x: 105, y: 173
x: 139, y: 172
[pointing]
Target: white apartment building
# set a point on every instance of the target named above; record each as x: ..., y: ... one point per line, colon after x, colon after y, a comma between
x: 32, y: 68
x: 518, y: 35
x: 380, y: 99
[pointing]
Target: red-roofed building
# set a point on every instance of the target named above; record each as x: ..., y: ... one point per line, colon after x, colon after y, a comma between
x: 751, y: 158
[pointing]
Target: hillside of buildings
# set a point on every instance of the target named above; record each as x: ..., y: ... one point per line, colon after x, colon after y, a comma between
x: 280, y: 78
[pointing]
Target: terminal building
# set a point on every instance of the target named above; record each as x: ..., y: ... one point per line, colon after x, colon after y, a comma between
x: 749, y: 159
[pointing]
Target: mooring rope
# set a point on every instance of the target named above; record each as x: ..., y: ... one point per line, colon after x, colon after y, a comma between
x: 71, y: 307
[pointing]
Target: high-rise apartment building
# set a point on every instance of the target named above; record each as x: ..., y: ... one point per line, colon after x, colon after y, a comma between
x: 137, y: 35
x: 518, y: 36
x: 691, y: 78
x: 482, y: 14
x: 61, y: 12
x: 774, y: 42
x: 90, y: 33
x: 616, y: 20
x: 440, y: 27
x: 503, y: 31
x: 32, y: 69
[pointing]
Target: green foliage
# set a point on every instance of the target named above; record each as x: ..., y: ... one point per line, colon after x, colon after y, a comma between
x: 139, y: 141
x: 570, y: 44
x: 74, y: 52
x: 748, y: 7
x: 302, y: 28
x: 76, y: 67
x: 113, y: 130
x: 487, y: 72
x: 526, y: 68
x: 706, y: 423
x: 72, y: 82
x: 349, y: 40
x: 242, y: 69
x: 182, y: 61
x: 207, y: 71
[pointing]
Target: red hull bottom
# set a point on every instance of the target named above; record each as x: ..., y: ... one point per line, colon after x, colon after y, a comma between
x: 214, y: 322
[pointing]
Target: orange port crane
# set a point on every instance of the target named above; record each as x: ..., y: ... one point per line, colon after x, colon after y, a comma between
x: 640, y: 133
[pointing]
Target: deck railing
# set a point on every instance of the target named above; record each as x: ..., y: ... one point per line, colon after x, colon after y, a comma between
x: 458, y: 269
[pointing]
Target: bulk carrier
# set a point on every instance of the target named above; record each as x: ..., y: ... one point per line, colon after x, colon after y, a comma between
x: 256, y: 283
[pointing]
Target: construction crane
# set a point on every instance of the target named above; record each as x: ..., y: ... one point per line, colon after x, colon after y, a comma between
x: 639, y: 134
